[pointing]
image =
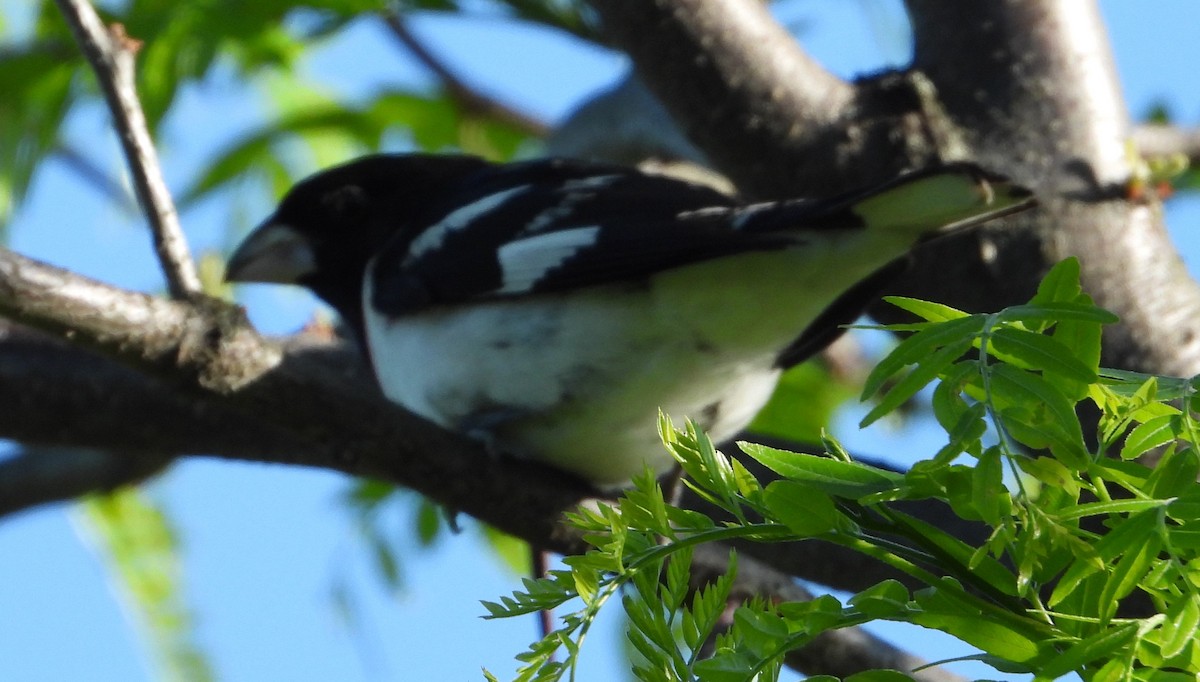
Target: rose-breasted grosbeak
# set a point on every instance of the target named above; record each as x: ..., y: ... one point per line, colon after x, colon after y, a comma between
x: 552, y: 307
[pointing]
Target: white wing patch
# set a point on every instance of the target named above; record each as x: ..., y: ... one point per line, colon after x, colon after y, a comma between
x: 525, y: 261
x: 435, y: 235
x: 745, y: 213
x: 701, y: 213
x: 590, y: 182
x: 575, y: 191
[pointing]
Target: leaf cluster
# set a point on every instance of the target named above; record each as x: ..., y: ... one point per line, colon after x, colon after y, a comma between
x: 1080, y: 531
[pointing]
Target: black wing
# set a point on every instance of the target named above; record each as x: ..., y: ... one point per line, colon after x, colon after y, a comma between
x: 555, y: 225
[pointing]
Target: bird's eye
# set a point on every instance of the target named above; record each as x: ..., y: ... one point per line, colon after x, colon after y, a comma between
x: 345, y: 202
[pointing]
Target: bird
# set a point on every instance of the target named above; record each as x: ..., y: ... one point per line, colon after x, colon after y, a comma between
x: 550, y: 308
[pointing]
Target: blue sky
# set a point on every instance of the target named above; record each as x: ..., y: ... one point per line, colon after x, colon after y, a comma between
x: 264, y: 546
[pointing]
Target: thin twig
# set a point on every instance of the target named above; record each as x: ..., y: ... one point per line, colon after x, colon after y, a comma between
x: 468, y: 97
x: 111, y: 53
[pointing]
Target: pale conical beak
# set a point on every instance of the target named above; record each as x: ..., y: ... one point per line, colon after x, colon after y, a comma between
x: 274, y: 252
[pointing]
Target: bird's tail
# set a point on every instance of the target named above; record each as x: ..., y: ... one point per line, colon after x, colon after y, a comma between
x: 931, y: 200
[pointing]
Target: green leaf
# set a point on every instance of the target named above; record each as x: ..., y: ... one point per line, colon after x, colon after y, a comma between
x: 1083, y: 340
x: 1017, y: 387
x: 1149, y: 435
x: 803, y: 403
x: 919, y: 346
x: 949, y: 611
x: 1050, y: 472
x: 878, y: 676
x: 1125, y: 535
x: 1127, y: 383
x: 1186, y: 507
x: 142, y: 553
x: 982, y: 566
x: 1130, y: 569
x: 1109, y: 507
x: 1056, y: 312
x: 816, y: 616
x: 429, y: 522
x: 726, y: 666
x: 840, y: 479
x: 988, y: 494
x: 932, y: 312
x: 1037, y: 351
x: 948, y: 404
x: 1106, y: 643
x: 1176, y: 474
x: 1061, y: 283
x: 886, y: 599
x: 1012, y: 386
x: 925, y: 372
x: 1181, y: 625
x: 966, y: 435
x: 804, y: 510
x: 760, y: 631
x: 38, y: 95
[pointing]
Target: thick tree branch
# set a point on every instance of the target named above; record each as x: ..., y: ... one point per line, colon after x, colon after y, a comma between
x: 208, y: 352
x: 328, y: 415
x: 738, y: 85
x: 1025, y: 87
x: 41, y: 475
x: 312, y: 403
x: 195, y: 379
x: 111, y: 53
x: 1049, y: 112
x: 624, y: 124
x: 221, y: 389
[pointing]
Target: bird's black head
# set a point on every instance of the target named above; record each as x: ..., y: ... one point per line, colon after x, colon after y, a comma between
x: 330, y: 224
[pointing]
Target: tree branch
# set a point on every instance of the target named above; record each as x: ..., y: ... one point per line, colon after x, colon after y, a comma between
x: 310, y: 403
x: 41, y: 475
x: 219, y: 388
x: 738, y: 85
x: 1025, y: 87
x: 111, y: 53
x: 469, y: 98
x: 208, y: 351
x: 1050, y: 114
x: 197, y: 379
x: 624, y: 124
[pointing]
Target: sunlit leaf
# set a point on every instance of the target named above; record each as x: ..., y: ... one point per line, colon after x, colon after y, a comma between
x: 1037, y: 351
x: 1107, y: 642
x: 926, y: 370
x: 842, y: 479
x: 1151, y: 434
x: 920, y: 345
x: 142, y: 552
x: 802, y: 509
